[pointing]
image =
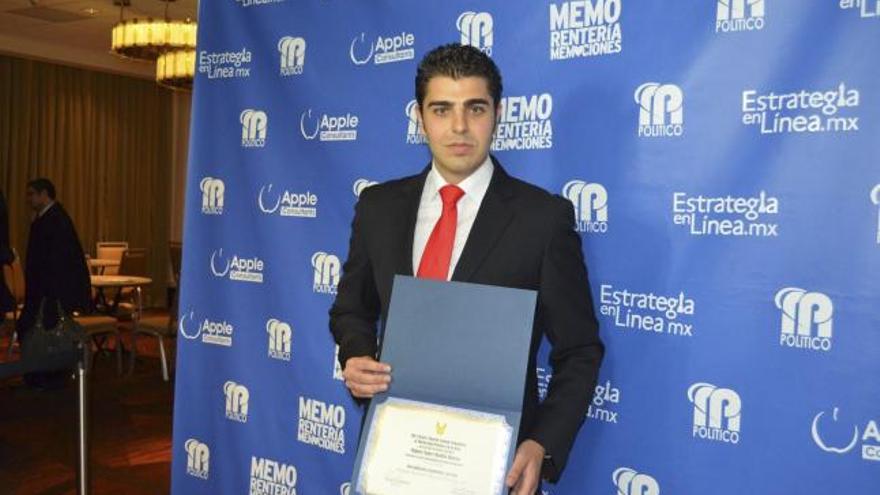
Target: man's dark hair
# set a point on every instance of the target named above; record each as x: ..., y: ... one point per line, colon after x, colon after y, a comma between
x: 457, y: 61
x: 42, y: 184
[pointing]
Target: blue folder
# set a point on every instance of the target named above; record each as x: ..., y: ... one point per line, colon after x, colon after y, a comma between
x: 456, y: 344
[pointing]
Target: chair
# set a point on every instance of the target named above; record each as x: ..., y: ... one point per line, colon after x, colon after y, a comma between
x: 112, y: 251
x: 131, y: 262
x: 160, y: 326
x: 134, y: 263
x: 99, y: 326
x: 13, y: 274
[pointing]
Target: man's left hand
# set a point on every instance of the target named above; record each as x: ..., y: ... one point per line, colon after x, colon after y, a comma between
x: 525, y: 473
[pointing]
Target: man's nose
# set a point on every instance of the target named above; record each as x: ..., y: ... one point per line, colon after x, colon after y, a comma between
x: 459, y: 121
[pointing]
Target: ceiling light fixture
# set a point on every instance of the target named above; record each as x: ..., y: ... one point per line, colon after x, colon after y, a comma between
x: 146, y: 39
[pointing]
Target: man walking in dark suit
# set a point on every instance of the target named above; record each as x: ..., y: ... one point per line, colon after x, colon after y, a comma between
x: 464, y: 218
x: 55, y: 265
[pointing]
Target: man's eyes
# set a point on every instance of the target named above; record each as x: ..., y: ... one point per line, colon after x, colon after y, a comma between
x: 474, y: 109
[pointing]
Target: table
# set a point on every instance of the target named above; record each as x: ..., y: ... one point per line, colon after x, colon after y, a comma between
x: 102, y: 263
x: 120, y: 282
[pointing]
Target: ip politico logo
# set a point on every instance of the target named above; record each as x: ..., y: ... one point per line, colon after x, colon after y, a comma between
x: 717, y: 413
x: 867, y: 9
x: 287, y: 203
x: 254, y: 124
x: 327, y: 269
x: 834, y: 436
x: 739, y: 15
x: 385, y: 49
x: 237, y: 268
x: 875, y: 198
x: 802, y: 312
x: 208, y: 331
x: 661, y: 110
x: 198, y: 458
x: 631, y: 482
x: 280, y: 335
x: 327, y: 127
x: 585, y: 28
x: 212, y: 195
x: 590, y: 202
x: 360, y: 184
x: 293, y: 55
x: 414, y: 134
x: 269, y: 476
x: 237, y: 398
x: 476, y: 29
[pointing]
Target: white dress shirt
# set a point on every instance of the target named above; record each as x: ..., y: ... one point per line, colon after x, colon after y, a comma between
x: 45, y: 209
x: 431, y: 207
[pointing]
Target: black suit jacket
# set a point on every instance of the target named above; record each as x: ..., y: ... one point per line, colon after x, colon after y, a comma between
x: 522, y: 237
x: 55, y: 267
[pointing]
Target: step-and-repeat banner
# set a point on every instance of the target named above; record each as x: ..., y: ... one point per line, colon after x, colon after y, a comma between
x: 722, y: 161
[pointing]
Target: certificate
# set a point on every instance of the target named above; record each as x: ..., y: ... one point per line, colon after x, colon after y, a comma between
x: 449, y: 422
x: 421, y: 448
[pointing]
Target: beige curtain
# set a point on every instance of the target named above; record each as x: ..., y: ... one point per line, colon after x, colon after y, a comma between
x: 104, y: 140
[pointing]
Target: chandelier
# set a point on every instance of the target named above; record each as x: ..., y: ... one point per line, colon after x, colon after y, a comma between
x: 171, y: 43
x: 176, y: 69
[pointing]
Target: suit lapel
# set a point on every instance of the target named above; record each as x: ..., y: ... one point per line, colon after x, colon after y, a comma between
x: 411, y: 195
x: 492, y: 219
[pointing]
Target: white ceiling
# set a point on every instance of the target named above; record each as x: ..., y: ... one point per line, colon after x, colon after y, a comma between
x: 62, y: 31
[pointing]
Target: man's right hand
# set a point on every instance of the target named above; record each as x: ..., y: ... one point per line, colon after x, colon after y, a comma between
x: 365, y: 377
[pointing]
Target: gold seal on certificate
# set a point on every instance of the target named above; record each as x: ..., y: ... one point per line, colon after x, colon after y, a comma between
x: 422, y: 448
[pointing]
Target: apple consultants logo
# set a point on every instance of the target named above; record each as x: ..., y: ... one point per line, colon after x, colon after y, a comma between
x: 238, y: 268
x: 833, y: 435
x: 328, y: 127
x: 821, y: 442
x: 383, y: 50
x: 208, y: 331
x: 303, y: 204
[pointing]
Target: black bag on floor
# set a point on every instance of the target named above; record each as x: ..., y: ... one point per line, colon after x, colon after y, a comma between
x: 62, y: 342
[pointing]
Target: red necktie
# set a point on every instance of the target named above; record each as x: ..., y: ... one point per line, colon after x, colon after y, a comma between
x: 438, y: 251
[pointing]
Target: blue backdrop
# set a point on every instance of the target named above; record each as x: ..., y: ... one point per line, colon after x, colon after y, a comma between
x: 721, y: 157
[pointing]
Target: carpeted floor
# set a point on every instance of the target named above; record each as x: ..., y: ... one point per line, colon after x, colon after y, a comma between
x: 130, y: 430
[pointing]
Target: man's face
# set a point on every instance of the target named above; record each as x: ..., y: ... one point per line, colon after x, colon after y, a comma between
x: 37, y: 200
x: 458, y: 117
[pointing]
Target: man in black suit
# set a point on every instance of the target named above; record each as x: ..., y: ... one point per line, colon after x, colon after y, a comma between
x: 464, y: 218
x: 55, y: 265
